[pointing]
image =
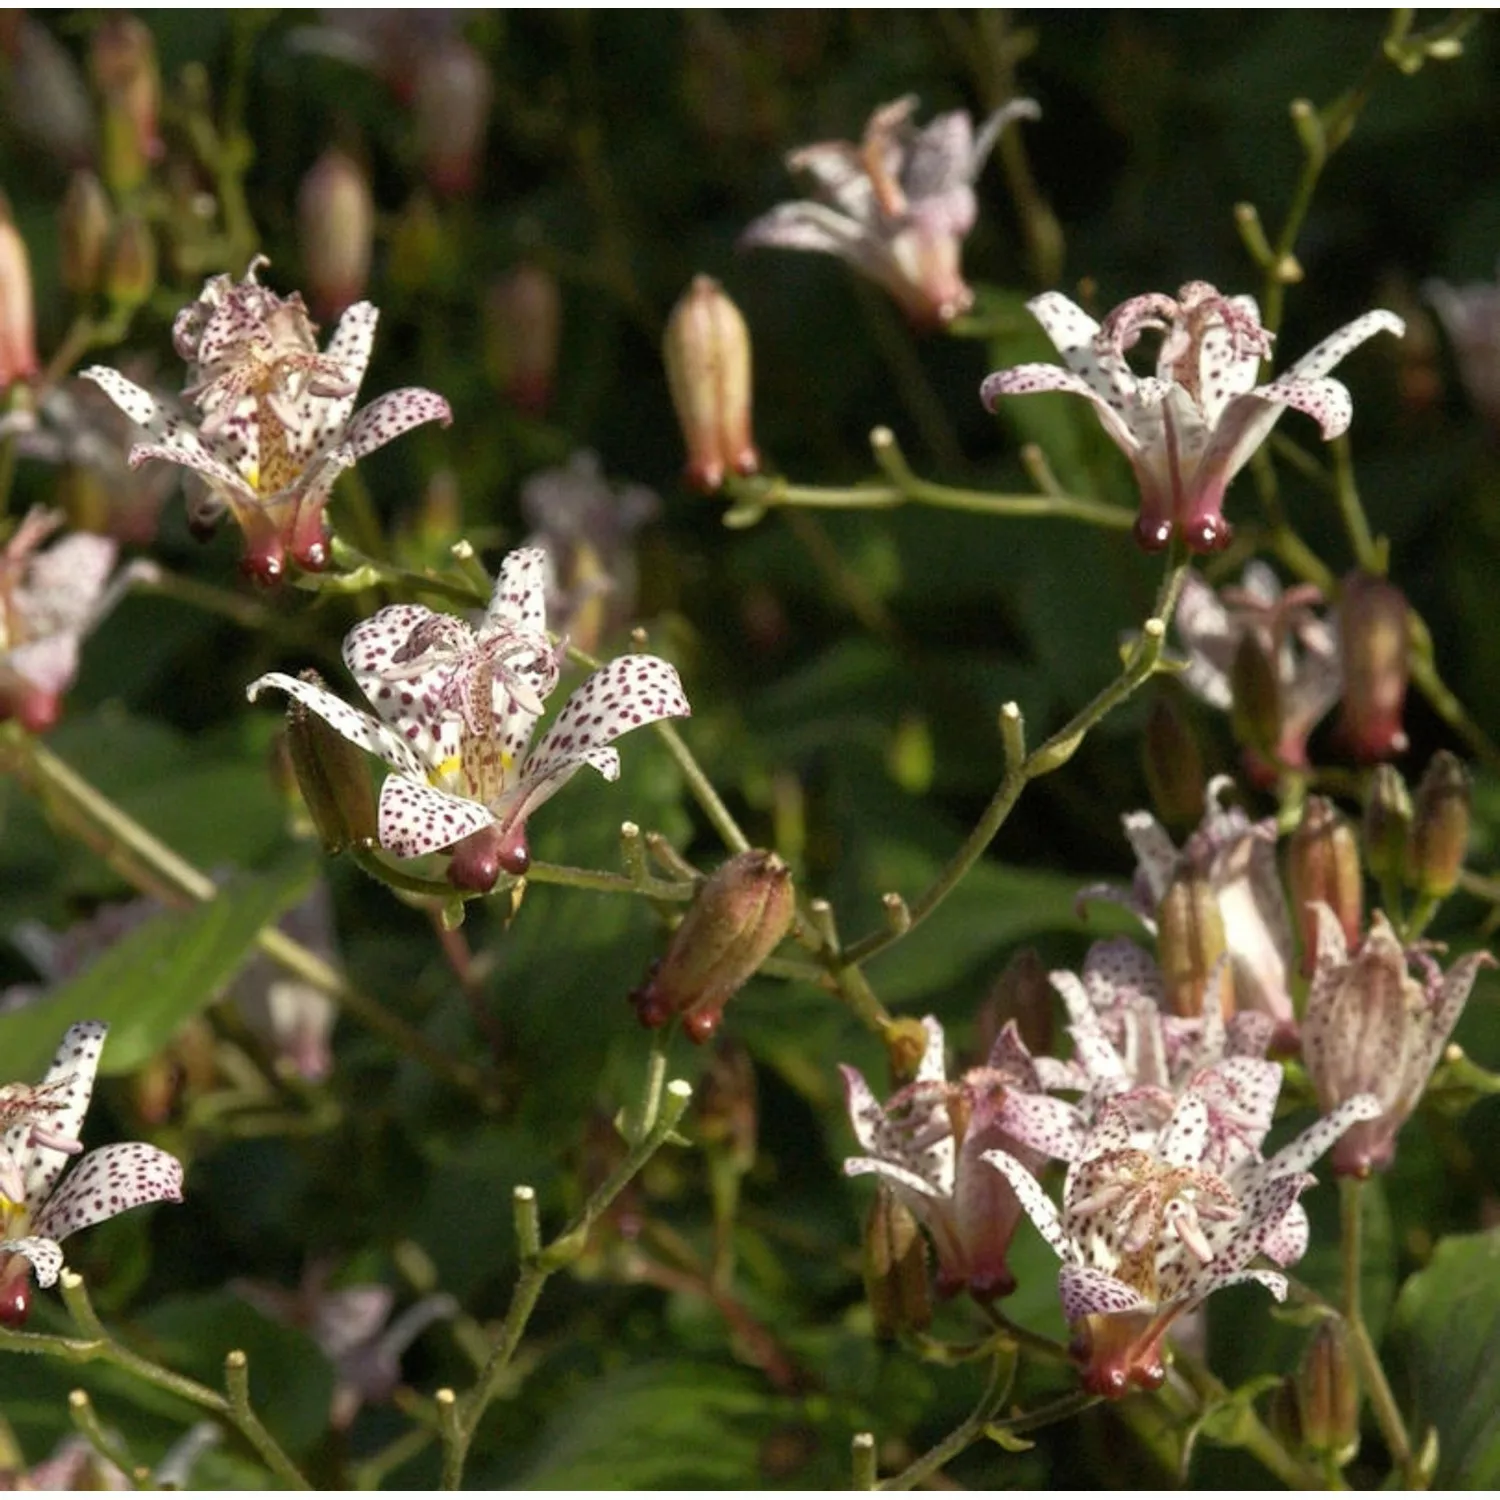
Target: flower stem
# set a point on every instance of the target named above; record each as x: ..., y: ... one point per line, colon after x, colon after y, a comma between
x: 1372, y: 1376
x: 536, y: 1267
x: 997, y: 1388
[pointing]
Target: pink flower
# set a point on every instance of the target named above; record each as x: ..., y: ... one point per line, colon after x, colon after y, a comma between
x: 1190, y: 428
x: 455, y: 711
x: 36, y: 1211
x: 1371, y: 1028
x: 1471, y: 314
x: 278, y: 421
x: 897, y: 206
x: 1149, y: 1230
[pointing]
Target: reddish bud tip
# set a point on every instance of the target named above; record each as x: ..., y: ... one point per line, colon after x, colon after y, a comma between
x: 1373, y: 648
x: 38, y: 710
x: 265, y: 567
x: 15, y: 1291
x: 1207, y: 534
x: 1152, y: 534
x: 475, y: 865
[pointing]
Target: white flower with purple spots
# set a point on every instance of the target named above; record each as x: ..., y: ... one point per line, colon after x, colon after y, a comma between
x: 897, y: 206
x: 37, y: 1212
x: 455, y: 711
x: 1147, y: 1232
x: 927, y: 1143
x: 1191, y: 427
x: 278, y: 421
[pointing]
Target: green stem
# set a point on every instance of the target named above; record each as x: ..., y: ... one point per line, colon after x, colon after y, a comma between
x: 242, y: 1414
x: 893, y: 340
x: 862, y: 1461
x: 536, y: 1267
x: 1372, y: 1375
x: 997, y: 1388
x: 1352, y: 512
x: 703, y: 790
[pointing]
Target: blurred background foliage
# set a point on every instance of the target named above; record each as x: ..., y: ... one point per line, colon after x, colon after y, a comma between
x: 845, y: 674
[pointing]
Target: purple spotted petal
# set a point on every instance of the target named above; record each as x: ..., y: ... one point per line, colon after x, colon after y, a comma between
x: 892, y: 1172
x: 107, y: 1182
x: 407, y: 696
x: 1048, y: 1126
x: 865, y: 1112
x: 1316, y: 1139
x: 1039, y: 1207
x: 45, y: 1255
x: 361, y: 729
x: 350, y: 349
x: 1185, y: 1139
x: 72, y: 1074
x: 387, y: 417
x: 1286, y: 1244
x: 1155, y: 853
x: 620, y: 696
x: 417, y: 819
x: 520, y: 597
x: 1085, y: 1290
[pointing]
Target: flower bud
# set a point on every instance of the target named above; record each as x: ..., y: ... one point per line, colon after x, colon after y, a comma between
x: 130, y: 276
x: 523, y: 324
x: 122, y: 60
x: 85, y: 230
x: 905, y: 1046
x: 1256, y: 688
x: 335, y: 232
x: 451, y: 109
x: 1323, y: 865
x: 707, y: 352
x: 479, y: 860
x: 1021, y: 994
x: 18, y: 359
x: 1440, y: 827
x: 1173, y: 764
x: 1387, y: 824
x: 1373, y: 645
x: 332, y: 775
x: 1328, y: 1393
x: 895, y: 1266
x: 1191, y: 946
x: 741, y: 912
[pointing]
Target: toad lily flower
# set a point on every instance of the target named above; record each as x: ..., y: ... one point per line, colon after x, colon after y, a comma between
x: 50, y: 600
x: 278, y: 421
x: 1190, y: 428
x: 36, y: 1212
x: 1147, y: 1233
x: 897, y: 206
x: 927, y: 1143
x: 1372, y: 1028
x: 1471, y: 314
x: 455, y: 710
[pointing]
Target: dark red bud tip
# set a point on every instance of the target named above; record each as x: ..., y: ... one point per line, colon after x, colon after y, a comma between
x: 652, y: 1009
x: 476, y: 862
x: 265, y: 568
x: 699, y: 1026
x: 1152, y: 535
x: 513, y: 852
x: 706, y: 478
x: 38, y: 710
x: 15, y: 1293
x: 313, y: 556
x: 1210, y: 534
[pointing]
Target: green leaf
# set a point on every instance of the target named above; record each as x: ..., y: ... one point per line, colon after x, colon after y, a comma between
x: 151, y: 981
x: 1446, y: 1331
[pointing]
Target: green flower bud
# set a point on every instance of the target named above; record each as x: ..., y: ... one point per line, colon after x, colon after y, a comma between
x: 1190, y: 943
x: 1256, y: 688
x: 85, y: 228
x: 130, y: 276
x: 1173, y: 764
x: 332, y: 776
x: 1440, y: 827
x: 1323, y: 865
x: 895, y: 1267
x: 1387, y: 824
x: 1328, y: 1393
x: 741, y: 912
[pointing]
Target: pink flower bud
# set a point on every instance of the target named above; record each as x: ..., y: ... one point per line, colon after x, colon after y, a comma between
x: 451, y: 109
x: 15, y: 1291
x: 740, y: 914
x: 18, y: 359
x: 122, y: 59
x: 1323, y: 865
x: 707, y: 351
x: 335, y: 232
x: 1373, y: 643
x: 1191, y: 945
x: 524, y: 325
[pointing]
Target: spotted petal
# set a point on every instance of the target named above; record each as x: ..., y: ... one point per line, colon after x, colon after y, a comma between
x: 72, y: 1077
x: 1085, y: 1290
x: 387, y: 417
x: 45, y: 1255
x: 361, y: 729
x: 349, y: 348
x: 107, y: 1182
x: 520, y: 597
x: 1039, y: 1207
x: 417, y: 819
x: 406, y: 696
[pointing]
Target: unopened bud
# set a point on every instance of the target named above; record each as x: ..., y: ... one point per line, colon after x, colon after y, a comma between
x: 1282, y: 1414
x: 707, y: 352
x: 1387, y: 824
x: 741, y: 912
x: 451, y: 109
x: 896, y: 1279
x: 726, y: 1105
x: 122, y: 59
x: 332, y: 776
x: 130, y: 276
x: 1256, y: 688
x: 1323, y: 865
x: 1328, y: 1393
x: 1021, y: 994
x: 1440, y: 827
x: 85, y: 230
x: 335, y: 232
x: 416, y: 244
x: 1173, y: 764
x: 18, y: 359
x: 1190, y: 943
x: 1373, y: 646
x: 523, y: 324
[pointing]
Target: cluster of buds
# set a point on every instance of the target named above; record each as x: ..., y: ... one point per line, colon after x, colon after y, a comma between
x: 736, y: 921
x: 456, y: 709
x: 277, y: 420
x: 707, y: 352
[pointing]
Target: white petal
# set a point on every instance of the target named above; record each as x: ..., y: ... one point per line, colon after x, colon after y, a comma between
x: 45, y: 1255
x: 107, y: 1182
x: 520, y: 596
x: 417, y: 819
x: 387, y: 417
x: 72, y: 1074
x: 361, y: 729
x: 1039, y: 1207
